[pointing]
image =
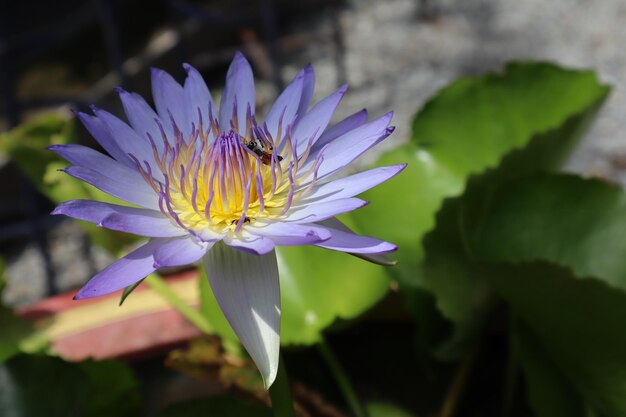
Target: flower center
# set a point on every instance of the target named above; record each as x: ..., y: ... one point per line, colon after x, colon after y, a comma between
x: 221, y: 180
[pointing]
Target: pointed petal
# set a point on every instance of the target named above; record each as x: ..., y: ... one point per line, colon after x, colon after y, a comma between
x: 169, y: 100
x: 247, y: 290
x: 340, y: 129
x: 290, y: 234
x: 107, y: 174
x: 285, y: 107
x: 143, y: 222
x: 101, y: 134
x: 307, y: 90
x: 322, y: 211
x: 127, y: 139
x: 345, y: 149
x: 182, y: 251
x: 367, y: 248
x: 311, y: 125
x: 198, y: 99
x: 90, y: 158
x: 240, y: 89
x: 141, y: 117
x: 122, y: 273
x: 119, y: 187
x: 351, y: 185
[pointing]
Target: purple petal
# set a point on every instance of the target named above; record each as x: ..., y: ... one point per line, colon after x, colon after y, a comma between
x: 318, y: 212
x: 141, y: 222
x: 239, y: 89
x: 177, y: 252
x: 352, y: 185
x: 341, y: 128
x: 122, y: 273
x: 311, y: 125
x: 98, y: 130
x: 249, y: 243
x: 198, y: 99
x: 247, y: 290
x: 90, y: 158
x: 307, y: 90
x: 345, y: 149
x: 290, y: 234
x: 169, y: 100
x: 119, y: 187
x: 364, y: 247
x: 353, y: 243
x: 121, y: 181
x: 141, y: 117
x: 127, y: 139
x: 285, y: 106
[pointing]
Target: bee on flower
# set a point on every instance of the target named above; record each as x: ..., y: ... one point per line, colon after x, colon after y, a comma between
x: 221, y: 187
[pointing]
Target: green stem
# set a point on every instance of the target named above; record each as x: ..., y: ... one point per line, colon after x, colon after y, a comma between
x: 341, y: 378
x: 459, y: 383
x: 159, y: 286
x: 282, y: 403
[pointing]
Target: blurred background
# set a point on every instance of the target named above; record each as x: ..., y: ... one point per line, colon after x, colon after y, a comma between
x: 395, y: 54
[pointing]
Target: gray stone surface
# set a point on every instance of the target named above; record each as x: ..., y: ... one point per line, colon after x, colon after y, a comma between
x: 73, y: 261
x: 395, y: 60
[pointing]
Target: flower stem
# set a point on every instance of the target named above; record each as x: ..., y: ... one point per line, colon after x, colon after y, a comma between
x: 341, y: 378
x: 459, y: 384
x: 159, y: 286
x: 282, y: 403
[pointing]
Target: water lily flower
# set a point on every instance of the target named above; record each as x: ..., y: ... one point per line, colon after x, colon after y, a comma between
x: 219, y: 187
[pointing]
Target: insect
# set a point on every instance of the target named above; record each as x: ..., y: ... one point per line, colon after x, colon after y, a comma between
x: 245, y: 220
x: 262, y: 150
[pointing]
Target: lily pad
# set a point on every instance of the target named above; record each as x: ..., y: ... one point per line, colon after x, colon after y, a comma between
x: 465, y: 129
x: 579, y: 322
x: 575, y: 222
x: 318, y: 287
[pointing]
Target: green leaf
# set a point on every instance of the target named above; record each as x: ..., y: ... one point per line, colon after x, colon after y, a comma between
x: 128, y: 291
x: 32, y: 385
x: 465, y: 129
x: 114, y: 390
x: 18, y: 335
x: 549, y: 392
x: 318, y: 287
x: 217, y: 407
x: 26, y: 147
x: 449, y: 270
x: 579, y: 322
x: 446, y: 270
x: 575, y: 222
x: 461, y: 293
x: 26, y: 144
x: 42, y: 386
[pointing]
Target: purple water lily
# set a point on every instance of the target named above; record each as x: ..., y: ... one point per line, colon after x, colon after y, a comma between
x: 220, y: 187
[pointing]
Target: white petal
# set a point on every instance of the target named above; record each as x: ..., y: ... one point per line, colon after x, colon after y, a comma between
x: 247, y: 290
